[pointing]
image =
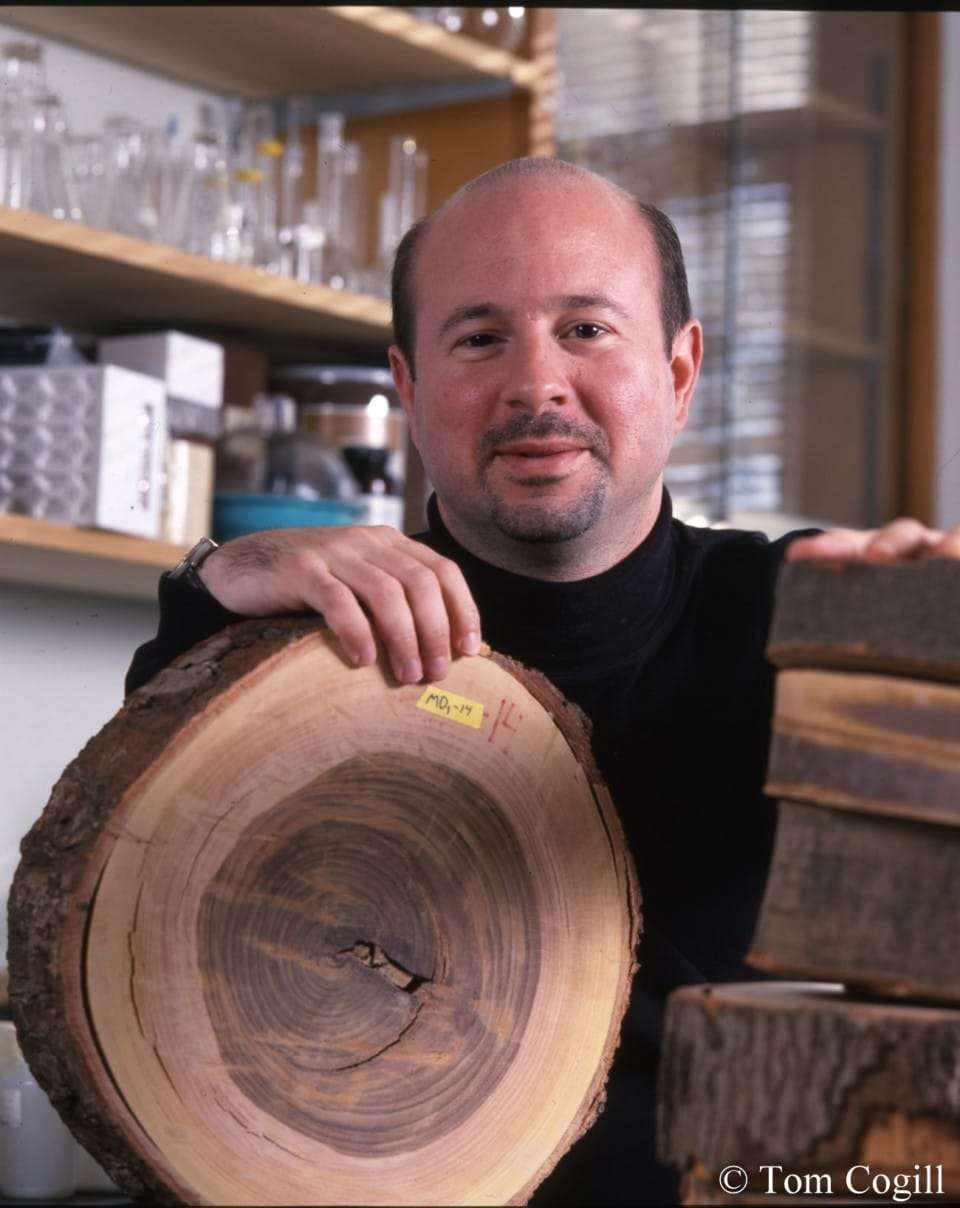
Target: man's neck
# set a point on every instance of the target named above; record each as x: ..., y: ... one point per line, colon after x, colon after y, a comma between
x: 563, y: 561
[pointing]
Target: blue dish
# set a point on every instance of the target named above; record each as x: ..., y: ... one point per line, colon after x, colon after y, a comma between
x: 236, y: 513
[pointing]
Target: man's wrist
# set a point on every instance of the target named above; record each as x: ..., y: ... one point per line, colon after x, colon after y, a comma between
x: 187, y: 569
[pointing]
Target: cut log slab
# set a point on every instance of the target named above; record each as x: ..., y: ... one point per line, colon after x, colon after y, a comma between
x: 807, y: 1077
x: 864, y: 900
x: 288, y: 933
x: 895, y: 620
x: 873, y: 743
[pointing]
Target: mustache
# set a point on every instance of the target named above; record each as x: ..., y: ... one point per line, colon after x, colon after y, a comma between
x: 525, y: 426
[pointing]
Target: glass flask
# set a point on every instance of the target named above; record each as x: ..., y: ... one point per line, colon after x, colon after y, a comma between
x: 49, y: 175
x: 450, y: 18
x: 21, y: 80
x: 500, y: 27
x: 204, y: 221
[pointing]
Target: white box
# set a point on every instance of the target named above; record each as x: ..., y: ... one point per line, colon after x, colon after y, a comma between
x: 191, y: 368
x: 83, y: 445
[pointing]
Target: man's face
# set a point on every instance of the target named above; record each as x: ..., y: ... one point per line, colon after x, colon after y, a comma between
x: 544, y: 405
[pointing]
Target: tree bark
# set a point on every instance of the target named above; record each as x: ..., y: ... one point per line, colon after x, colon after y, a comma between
x: 868, y: 901
x: 867, y: 742
x: 804, y: 1076
x: 894, y: 620
x: 288, y: 933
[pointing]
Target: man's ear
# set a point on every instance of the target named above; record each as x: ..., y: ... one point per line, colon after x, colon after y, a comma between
x: 685, y: 367
x: 403, y: 380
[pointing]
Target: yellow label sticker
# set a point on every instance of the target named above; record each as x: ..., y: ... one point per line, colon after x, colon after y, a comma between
x: 454, y: 708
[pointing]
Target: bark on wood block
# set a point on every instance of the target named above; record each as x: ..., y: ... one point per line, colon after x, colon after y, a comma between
x: 809, y: 1189
x: 805, y: 1076
x: 286, y: 933
x: 898, y: 620
x: 867, y: 742
x: 864, y: 900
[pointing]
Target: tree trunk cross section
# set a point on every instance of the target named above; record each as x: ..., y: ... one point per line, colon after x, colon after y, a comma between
x: 288, y: 933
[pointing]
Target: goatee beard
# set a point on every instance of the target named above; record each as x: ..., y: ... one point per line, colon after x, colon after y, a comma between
x: 545, y: 522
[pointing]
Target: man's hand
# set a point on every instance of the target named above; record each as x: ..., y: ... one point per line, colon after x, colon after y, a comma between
x: 901, y: 540
x: 366, y: 580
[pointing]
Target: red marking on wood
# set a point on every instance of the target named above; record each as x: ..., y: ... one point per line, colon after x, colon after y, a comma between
x: 504, y: 715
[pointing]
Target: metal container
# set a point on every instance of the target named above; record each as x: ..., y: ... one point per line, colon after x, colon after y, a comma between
x: 346, y: 404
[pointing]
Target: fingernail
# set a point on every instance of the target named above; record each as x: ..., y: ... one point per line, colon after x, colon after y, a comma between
x: 410, y: 672
x: 363, y: 656
x: 470, y: 642
x: 437, y: 668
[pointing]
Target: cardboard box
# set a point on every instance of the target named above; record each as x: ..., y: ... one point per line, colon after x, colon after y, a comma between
x: 190, y: 368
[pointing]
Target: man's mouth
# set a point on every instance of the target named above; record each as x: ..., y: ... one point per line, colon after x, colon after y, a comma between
x: 525, y: 457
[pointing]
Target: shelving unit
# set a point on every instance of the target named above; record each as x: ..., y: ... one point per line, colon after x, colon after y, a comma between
x: 45, y: 554
x: 93, y: 279
x: 97, y: 281
x: 265, y: 51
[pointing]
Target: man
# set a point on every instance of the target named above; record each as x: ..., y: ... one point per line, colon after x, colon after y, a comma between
x: 546, y: 358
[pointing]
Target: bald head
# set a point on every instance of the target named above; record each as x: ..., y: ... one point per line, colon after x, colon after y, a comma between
x: 674, y: 296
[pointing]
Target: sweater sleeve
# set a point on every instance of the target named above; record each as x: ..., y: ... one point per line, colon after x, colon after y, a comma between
x: 187, y: 616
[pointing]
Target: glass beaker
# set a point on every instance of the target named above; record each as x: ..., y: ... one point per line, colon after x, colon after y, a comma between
x: 345, y: 262
x: 88, y: 161
x: 257, y: 176
x: 291, y: 182
x: 129, y: 205
x: 49, y: 175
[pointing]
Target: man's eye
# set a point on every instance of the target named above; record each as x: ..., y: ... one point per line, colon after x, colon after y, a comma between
x: 587, y: 331
x: 479, y: 339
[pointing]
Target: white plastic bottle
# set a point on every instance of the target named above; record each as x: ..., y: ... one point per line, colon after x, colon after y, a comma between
x: 37, y: 1151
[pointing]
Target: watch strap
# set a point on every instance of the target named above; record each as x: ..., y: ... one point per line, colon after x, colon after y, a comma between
x: 188, y: 566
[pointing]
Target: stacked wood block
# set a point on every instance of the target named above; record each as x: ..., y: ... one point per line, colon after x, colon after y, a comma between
x: 844, y: 1087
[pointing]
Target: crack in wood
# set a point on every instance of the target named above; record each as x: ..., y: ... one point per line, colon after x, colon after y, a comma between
x: 88, y: 1009
x: 291, y: 1152
x: 166, y: 1072
x: 373, y: 957
x: 133, y: 962
x: 366, y: 1060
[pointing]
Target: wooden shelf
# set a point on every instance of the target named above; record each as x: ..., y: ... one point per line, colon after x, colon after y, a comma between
x: 45, y: 554
x: 96, y: 280
x: 261, y: 51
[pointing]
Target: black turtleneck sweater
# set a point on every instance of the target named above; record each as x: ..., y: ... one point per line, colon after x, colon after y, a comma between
x: 664, y: 652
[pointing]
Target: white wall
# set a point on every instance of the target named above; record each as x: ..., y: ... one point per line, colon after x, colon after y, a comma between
x: 948, y: 279
x: 62, y: 663
x: 93, y: 87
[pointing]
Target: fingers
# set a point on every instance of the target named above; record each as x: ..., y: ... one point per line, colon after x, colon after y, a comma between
x: 405, y: 607
x: 901, y: 540
x: 369, y: 582
x: 837, y: 543
x: 949, y: 544
x: 418, y: 602
x: 342, y: 612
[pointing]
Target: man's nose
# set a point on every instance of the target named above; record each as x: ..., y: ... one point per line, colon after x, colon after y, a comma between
x: 535, y: 377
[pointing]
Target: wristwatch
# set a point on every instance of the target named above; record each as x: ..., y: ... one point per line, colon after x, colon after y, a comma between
x: 186, y: 569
